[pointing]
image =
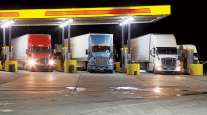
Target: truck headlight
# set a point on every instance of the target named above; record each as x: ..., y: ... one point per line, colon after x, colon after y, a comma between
x: 159, y: 68
x: 178, y: 68
x: 178, y: 63
x: 158, y: 64
x: 31, y: 62
x: 110, y: 61
x: 51, y: 62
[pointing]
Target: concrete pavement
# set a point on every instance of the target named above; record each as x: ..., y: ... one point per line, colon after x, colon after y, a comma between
x: 38, y: 93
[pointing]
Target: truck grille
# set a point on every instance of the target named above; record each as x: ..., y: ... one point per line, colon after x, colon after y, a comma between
x: 169, y: 63
x: 101, y: 60
x: 43, y: 60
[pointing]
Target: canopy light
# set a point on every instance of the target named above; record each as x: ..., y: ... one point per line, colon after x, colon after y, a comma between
x: 126, y: 21
x: 7, y: 24
x: 68, y: 22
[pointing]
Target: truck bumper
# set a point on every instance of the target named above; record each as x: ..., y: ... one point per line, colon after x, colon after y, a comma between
x: 94, y: 68
x: 176, y: 70
x: 41, y: 68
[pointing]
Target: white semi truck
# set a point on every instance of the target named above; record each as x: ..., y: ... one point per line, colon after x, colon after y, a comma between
x: 93, y: 51
x: 156, y: 52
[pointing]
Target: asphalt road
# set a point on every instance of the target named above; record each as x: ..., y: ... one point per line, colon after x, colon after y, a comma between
x: 82, y: 93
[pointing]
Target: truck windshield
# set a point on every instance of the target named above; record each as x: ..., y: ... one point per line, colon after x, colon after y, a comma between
x: 40, y: 49
x: 100, y: 48
x: 166, y: 50
x: 101, y: 39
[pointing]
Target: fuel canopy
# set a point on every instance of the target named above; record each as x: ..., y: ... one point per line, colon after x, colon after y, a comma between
x: 85, y: 16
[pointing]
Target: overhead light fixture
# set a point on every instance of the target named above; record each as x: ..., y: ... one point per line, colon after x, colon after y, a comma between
x: 65, y: 23
x: 126, y: 21
x: 7, y: 24
x: 70, y: 20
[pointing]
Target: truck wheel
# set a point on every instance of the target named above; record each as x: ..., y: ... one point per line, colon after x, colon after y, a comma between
x: 31, y: 70
x: 147, y: 68
x: 90, y: 71
x: 153, y: 71
x: 110, y: 71
x: 25, y: 67
x: 50, y: 70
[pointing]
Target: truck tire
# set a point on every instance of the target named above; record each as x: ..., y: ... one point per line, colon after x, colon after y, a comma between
x: 110, y: 71
x: 31, y: 69
x: 50, y: 70
x: 90, y: 71
x: 147, y: 68
x: 153, y: 71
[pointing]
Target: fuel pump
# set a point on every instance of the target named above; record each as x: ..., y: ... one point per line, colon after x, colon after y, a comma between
x: 186, y: 57
x: 124, y: 59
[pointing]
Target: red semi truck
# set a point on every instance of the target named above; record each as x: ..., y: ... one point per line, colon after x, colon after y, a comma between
x: 33, y: 52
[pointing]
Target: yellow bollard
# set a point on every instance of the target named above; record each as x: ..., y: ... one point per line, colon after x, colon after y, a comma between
x: 133, y: 69
x: 74, y: 63
x: 68, y: 63
x: 128, y: 69
x: 117, y: 66
x: 1, y: 67
x: 8, y: 66
x: 196, y: 69
x: 136, y: 69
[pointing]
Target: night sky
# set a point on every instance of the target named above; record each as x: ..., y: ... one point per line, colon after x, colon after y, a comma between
x: 187, y: 21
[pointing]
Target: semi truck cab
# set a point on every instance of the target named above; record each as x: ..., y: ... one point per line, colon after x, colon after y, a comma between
x: 165, y: 59
x: 164, y: 53
x: 156, y: 52
x: 40, y: 58
x: 100, y: 50
x: 33, y: 52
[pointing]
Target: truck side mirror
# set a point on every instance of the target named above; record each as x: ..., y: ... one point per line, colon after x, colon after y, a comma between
x: 152, y: 52
x: 86, y: 52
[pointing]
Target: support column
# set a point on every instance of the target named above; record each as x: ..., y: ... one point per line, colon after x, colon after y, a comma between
x: 63, y: 35
x: 4, y: 49
x: 4, y: 37
x: 122, y: 46
x: 69, y: 50
x: 10, y: 47
x: 128, y: 43
x: 123, y: 53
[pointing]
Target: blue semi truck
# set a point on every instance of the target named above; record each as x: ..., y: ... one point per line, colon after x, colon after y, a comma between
x: 93, y: 51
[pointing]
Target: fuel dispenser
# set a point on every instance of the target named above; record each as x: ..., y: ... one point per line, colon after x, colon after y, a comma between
x: 124, y: 59
x: 8, y: 62
x: 189, y: 61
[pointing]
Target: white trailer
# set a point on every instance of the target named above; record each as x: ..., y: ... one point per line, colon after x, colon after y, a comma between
x: 155, y: 52
x: 20, y: 46
x: 79, y: 46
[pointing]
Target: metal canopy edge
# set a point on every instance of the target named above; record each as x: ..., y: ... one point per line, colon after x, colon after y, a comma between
x: 86, y: 12
x: 85, y: 16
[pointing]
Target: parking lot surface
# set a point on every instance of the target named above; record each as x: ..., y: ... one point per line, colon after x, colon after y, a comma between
x: 84, y: 93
